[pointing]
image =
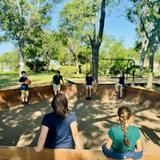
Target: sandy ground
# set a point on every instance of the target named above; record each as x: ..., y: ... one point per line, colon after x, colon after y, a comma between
x: 20, y: 126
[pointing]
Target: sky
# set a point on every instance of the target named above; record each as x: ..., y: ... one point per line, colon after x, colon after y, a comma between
x: 116, y: 25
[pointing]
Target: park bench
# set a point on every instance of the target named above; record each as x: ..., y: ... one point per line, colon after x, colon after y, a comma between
x: 27, y: 153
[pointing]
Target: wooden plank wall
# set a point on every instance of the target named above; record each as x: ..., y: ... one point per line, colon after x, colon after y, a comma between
x: 26, y: 153
x: 11, y: 98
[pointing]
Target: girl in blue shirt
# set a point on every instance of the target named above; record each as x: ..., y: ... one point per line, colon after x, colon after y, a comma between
x: 59, y: 127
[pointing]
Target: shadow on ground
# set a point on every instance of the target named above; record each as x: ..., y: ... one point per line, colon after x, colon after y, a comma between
x: 21, y: 126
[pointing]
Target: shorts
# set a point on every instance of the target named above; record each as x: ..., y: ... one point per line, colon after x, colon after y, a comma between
x: 24, y: 93
x: 88, y: 86
x: 122, y: 156
x: 118, y: 86
x: 56, y: 87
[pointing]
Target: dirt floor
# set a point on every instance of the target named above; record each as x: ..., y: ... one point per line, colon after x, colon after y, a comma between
x: 21, y: 126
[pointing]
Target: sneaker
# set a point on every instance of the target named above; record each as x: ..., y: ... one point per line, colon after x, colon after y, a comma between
x: 26, y: 104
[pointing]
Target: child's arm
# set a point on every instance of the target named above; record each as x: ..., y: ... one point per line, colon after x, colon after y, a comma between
x: 21, y: 83
x: 62, y: 81
x: 95, y: 83
x: 139, y: 146
x: 108, y: 142
x: 85, y: 81
x: 75, y: 135
x: 42, y: 139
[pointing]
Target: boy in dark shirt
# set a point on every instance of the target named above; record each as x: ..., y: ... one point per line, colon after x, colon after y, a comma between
x: 121, y: 80
x: 120, y: 85
x: 88, y: 83
x: 24, y: 88
x: 56, y: 82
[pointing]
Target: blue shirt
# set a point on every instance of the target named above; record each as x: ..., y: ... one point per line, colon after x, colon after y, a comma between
x: 121, y: 80
x: 56, y: 79
x: 89, y: 80
x: 117, y: 136
x: 59, y: 134
x: 23, y: 86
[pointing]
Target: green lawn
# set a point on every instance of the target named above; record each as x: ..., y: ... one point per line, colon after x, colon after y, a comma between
x: 10, y: 80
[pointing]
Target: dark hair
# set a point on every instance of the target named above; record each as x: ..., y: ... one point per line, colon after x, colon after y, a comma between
x: 23, y: 72
x: 60, y: 105
x: 88, y: 73
x: 124, y: 114
x: 58, y: 72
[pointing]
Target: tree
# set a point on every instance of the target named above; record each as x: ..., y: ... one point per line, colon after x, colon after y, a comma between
x: 97, y: 40
x: 74, y: 29
x: 22, y: 22
x: 146, y: 15
x: 52, y: 48
x: 79, y: 21
x: 9, y: 59
x: 114, y: 49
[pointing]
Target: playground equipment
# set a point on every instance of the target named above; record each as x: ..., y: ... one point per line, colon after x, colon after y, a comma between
x: 129, y: 68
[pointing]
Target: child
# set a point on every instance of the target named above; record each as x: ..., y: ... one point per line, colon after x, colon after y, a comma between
x: 59, y: 126
x: 56, y: 82
x: 120, y: 85
x: 24, y: 88
x: 123, y: 140
x: 88, y: 83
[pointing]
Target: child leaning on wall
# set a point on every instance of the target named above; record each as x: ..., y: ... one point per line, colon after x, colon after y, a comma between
x: 88, y: 85
x: 24, y: 82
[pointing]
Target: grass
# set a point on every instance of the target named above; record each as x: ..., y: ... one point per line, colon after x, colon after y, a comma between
x: 10, y: 80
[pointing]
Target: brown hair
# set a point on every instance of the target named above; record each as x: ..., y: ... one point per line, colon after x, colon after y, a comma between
x: 60, y: 105
x: 124, y: 114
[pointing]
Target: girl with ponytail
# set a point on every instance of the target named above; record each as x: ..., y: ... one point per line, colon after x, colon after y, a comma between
x: 123, y: 141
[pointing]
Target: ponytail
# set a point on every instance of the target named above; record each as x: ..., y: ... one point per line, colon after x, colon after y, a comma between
x: 123, y: 123
x: 124, y: 114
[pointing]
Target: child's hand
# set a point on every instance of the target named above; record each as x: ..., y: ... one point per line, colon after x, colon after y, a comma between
x: 38, y: 149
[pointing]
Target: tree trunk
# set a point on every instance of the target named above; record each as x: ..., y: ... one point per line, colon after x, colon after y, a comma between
x: 142, y: 63
x: 159, y: 69
x: 47, y: 61
x: 76, y: 57
x: 151, y: 67
x: 77, y: 67
x: 80, y: 69
x: 95, y: 59
x: 143, y: 51
x: 96, y: 42
x: 21, y: 59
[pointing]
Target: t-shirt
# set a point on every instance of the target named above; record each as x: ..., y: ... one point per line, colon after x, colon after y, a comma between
x: 121, y: 80
x: 59, y: 134
x: 56, y: 79
x: 89, y: 80
x: 117, y: 136
x: 23, y: 86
